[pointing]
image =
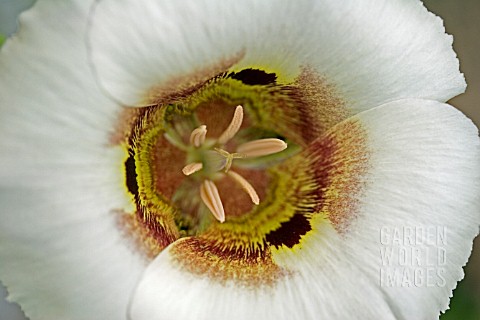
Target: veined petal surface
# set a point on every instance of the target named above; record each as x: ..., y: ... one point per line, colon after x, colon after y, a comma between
x: 371, y: 51
x: 62, y: 255
x: 420, y: 210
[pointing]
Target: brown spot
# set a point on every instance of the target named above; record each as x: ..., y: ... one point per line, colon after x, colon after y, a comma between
x: 340, y: 162
x: 183, y: 86
x: 127, y: 119
x: 319, y: 102
x: 147, y: 239
x: 307, y: 108
x: 328, y: 179
x: 222, y: 260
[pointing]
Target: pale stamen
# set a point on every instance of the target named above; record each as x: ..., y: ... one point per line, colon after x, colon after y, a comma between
x: 197, y: 137
x: 211, y: 198
x: 220, y: 159
x: 245, y: 186
x: 233, y: 127
x: 192, y: 168
x: 261, y: 147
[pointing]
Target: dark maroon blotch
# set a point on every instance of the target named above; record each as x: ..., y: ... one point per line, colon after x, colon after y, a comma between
x: 290, y: 232
x: 131, y: 175
x: 254, y: 77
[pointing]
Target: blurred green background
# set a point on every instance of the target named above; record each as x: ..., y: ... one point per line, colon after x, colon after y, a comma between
x: 462, y: 20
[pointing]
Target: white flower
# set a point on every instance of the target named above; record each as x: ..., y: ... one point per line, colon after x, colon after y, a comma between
x: 99, y: 222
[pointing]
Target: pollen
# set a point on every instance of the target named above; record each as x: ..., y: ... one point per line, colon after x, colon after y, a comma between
x: 217, y: 162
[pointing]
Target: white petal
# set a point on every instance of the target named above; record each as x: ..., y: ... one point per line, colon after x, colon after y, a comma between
x: 165, y: 41
x: 371, y: 51
x: 323, y: 285
x: 425, y: 175
x: 52, y: 113
x: 62, y: 254
x: 383, y: 51
x: 407, y: 165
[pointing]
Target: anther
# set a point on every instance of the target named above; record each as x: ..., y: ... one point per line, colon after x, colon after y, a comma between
x: 192, y: 168
x: 233, y: 127
x: 261, y: 147
x: 197, y: 137
x: 211, y: 198
x: 245, y: 186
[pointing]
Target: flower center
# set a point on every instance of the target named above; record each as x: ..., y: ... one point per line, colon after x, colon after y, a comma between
x: 215, y: 162
x: 194, y: 159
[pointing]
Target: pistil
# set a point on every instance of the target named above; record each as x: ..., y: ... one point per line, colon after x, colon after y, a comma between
x: 229, y: 157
